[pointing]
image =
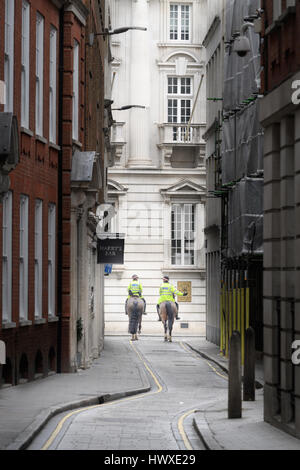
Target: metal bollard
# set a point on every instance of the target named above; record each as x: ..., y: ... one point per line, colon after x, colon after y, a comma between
x: 235, y: 377
x: 249, y: 367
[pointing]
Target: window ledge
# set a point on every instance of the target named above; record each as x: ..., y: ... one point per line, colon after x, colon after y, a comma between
x: 24, y: 322
x: 8, y: 324
x: 180, y: 43
x: 39, y: 321
x: 24, y: 130
x: 77, y: 143
x: 186, y: 269
x: 41, y: 139
x: 52, y: 319
x: 54, y: 146
x: 281, y: 19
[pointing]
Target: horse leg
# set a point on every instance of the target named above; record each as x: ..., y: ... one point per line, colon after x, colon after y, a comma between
x: 166, y: 328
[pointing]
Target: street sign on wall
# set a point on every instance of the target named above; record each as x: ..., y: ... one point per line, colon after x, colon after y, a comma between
x: 110, y: 251
x: 185, y: 287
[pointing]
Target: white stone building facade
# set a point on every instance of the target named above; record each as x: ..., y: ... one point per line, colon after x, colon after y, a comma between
x: 158, y: 184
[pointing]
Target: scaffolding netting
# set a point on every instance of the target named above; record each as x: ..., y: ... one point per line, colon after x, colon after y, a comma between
x: 242, y: 134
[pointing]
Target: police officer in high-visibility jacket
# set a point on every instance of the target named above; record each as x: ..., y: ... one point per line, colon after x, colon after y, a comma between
x: 135, y: 288
x: 167, y: 292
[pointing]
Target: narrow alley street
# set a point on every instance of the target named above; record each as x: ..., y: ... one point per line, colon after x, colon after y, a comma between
x: 160, y: 419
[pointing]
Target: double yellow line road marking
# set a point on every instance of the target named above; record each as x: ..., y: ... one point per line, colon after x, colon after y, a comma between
x: 159, y: 389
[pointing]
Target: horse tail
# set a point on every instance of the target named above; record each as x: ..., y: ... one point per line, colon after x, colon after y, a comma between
x: 134, y: 318
x: 170, y: 315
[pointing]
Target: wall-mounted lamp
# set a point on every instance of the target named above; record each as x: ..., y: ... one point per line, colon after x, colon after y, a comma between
x: 129, y: 106
x: 107, y: 32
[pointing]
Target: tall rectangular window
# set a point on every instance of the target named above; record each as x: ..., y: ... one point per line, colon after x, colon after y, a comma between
x: 52, y: 85
x: 9, y: 55
x: 51, y: 258
x: 277, y: 9
x: 39, y: 75
x: 179, y: 105
x: 180, y: 22
x: 183, y: 234
x: 23, y: 262
x: 38, y: 258
x: 25, y: 64
x: 7, y: 258
x: 76, y: 90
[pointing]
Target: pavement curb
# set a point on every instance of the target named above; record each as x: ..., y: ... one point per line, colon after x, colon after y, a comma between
x: 258, y: 384
x: 205, y: 434
x: 27, y: 436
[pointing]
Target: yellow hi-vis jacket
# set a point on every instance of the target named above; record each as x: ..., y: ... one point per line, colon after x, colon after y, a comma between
x: 167, y: 292
x: 136, y: 288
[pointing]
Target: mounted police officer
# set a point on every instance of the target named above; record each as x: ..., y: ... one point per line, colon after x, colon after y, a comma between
x: 167, y: 292
x: 135, y: 288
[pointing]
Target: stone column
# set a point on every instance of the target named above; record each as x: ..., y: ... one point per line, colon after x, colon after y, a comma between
x: 140, y: 83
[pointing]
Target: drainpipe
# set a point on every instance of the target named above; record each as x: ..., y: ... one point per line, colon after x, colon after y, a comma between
x: 59, y: 185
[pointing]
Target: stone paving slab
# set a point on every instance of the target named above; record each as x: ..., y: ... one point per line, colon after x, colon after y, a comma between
x: 25, y: 409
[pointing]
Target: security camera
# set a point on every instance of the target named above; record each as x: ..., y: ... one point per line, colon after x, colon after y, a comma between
x: 241, y: 46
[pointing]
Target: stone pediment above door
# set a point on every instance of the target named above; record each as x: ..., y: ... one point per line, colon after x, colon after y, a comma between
x: 115, y: 188
x: 184, y: 189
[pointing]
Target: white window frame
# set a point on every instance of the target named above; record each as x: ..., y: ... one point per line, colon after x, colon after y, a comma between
x: 23, y: 260
x: 185, y: 235
x: 25, y: 64
x: 75, y: 121
x: 38, y: 258
x: 39, y: 75
x: 51, y: 258
x: 9, y: 55
x: 180, y: 17
x: 178, y: 100
x: 7, y: 258
x: 52, y: 85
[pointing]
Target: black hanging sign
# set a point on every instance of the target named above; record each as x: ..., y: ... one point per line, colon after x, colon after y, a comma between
x: 110, y: 251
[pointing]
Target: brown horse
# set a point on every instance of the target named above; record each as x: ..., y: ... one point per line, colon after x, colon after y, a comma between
x: 135, y: 308
x: 167, y: 312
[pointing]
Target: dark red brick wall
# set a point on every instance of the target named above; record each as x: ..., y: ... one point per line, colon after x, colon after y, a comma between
x: 280, y: 52
x: 36, y: 176
x: 73, y: 29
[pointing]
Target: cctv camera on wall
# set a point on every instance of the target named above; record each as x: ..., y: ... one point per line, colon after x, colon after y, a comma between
x: 241, y: 46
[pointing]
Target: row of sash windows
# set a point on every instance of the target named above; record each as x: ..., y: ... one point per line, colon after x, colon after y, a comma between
x: 7, y: 256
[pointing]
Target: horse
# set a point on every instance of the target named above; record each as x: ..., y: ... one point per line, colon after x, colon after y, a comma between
x: 135, y: 308
x: 167, y: 312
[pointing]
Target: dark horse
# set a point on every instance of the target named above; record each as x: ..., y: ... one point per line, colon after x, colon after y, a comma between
x: 167, y: 312
x: 135, y: 308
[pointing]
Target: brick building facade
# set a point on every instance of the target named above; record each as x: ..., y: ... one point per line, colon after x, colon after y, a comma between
x: 43, y: 63
x: 280, y: 117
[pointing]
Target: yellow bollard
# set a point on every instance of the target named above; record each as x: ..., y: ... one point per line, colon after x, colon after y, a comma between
x: 247, y: 308
x: 243, y: 325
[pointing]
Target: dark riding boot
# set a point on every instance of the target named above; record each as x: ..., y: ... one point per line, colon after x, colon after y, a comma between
x: 177, y: 317
x: 144, y: 312
x: 157, y: 308
x: 126, y: 307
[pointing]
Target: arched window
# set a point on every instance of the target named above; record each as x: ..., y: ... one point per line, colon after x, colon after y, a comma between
x: 23, y: 369
x: 38, y: 364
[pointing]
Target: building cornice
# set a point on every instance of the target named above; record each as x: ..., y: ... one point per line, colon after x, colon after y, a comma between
x: 213, y: 27
x: 78, y: 8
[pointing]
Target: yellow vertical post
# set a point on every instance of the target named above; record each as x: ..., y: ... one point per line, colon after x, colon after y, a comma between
x: 230, y: 307
x: 221, y: 319
x: 226, y: 316
x: 247, y: 308
x: 243, y: 325
x: 239, y: 309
